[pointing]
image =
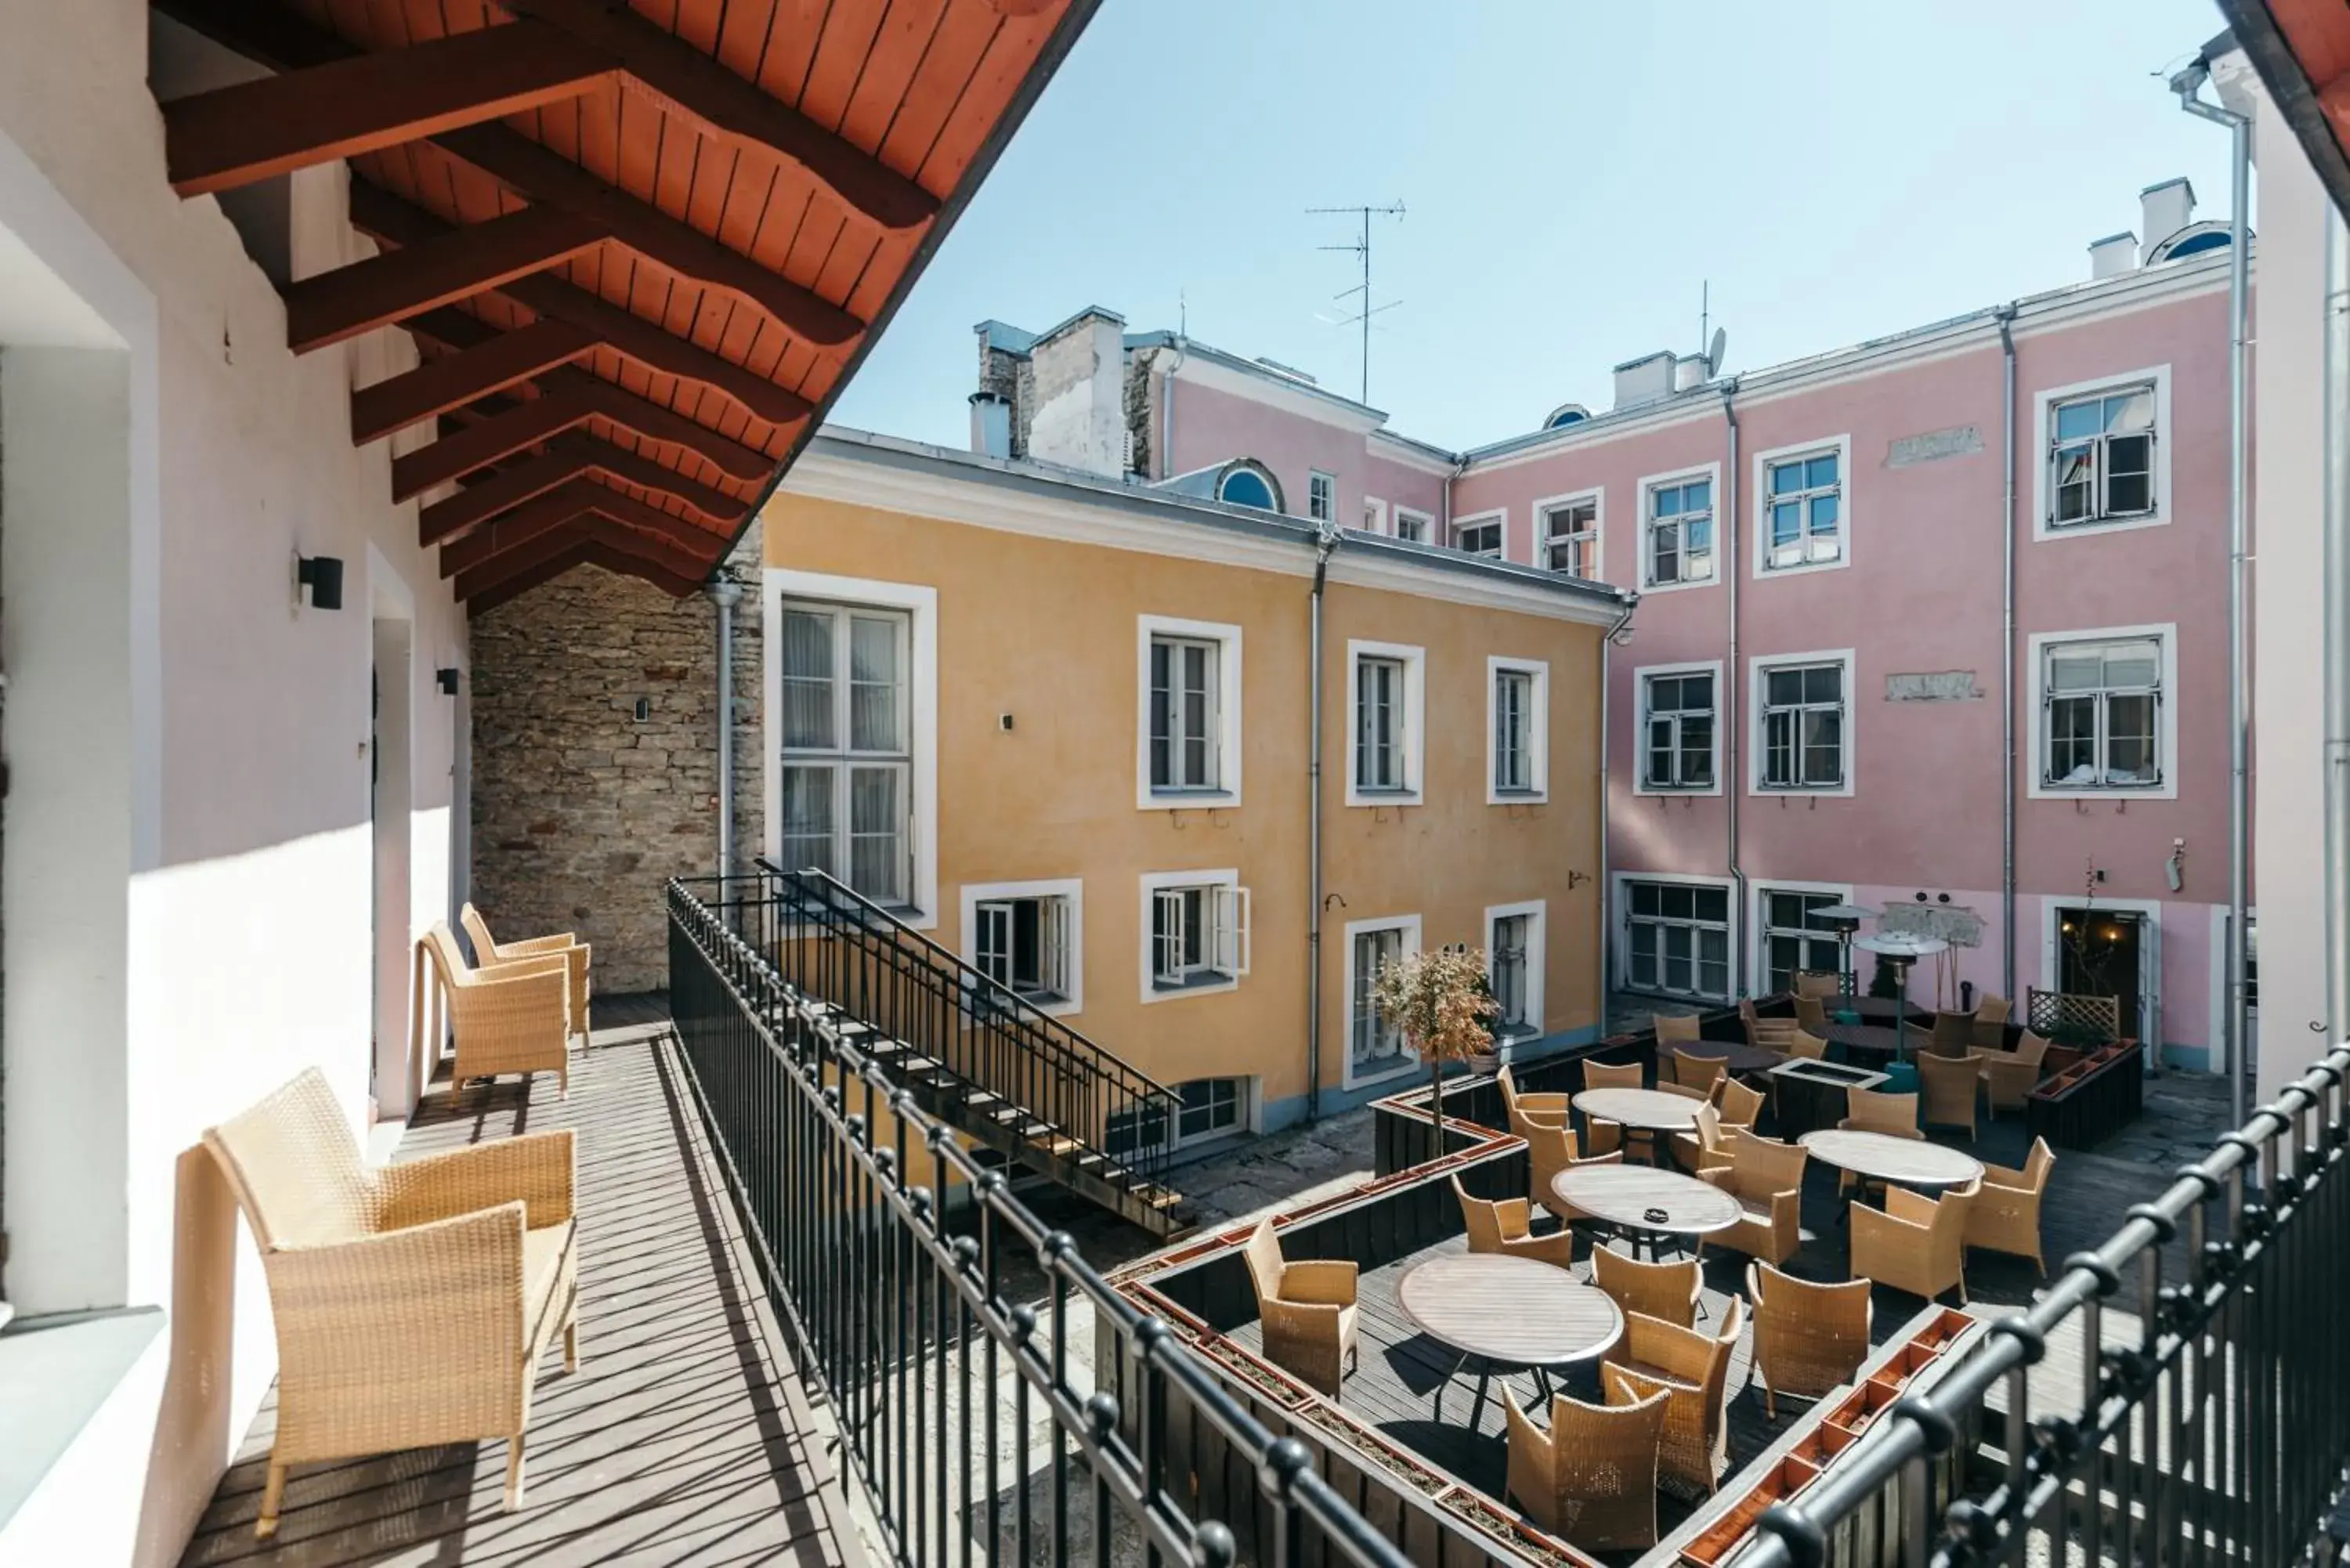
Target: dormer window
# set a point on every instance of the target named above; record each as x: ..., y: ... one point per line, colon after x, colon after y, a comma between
x: 1249, y: 484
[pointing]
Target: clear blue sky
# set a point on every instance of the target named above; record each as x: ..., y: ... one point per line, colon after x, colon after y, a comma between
x: 1572, y: 173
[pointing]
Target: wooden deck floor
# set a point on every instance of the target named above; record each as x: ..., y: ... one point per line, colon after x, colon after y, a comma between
x: 679, y: 1442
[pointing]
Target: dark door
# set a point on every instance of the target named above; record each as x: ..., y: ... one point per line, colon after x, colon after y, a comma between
x: 2101, y: 952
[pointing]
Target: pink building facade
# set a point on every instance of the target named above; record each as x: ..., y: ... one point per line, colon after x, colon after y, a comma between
x: 1807, y: 706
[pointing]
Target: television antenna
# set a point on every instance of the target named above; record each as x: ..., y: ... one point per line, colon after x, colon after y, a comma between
x: 1717, y: 344
x: 1361, y: 246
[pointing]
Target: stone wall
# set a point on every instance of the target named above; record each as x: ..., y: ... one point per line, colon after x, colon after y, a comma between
x: 581, y: 810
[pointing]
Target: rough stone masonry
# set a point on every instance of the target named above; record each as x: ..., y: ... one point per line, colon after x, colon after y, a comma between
x: 582, y: 810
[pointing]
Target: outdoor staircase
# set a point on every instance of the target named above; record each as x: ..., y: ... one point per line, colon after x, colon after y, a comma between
x: 1017, y: 1082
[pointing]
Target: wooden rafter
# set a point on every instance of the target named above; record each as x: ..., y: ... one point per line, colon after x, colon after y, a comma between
x: 526, y: 424
x: 601, y: 544
x: 568, y: 457
x: 455, y: 380
x: 573, y: 499
x: 349, y: 300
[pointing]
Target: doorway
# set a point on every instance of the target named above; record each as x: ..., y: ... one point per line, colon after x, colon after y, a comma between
x: 2106, y: 952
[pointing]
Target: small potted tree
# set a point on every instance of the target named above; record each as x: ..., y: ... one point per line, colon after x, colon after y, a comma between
x: 1440, y: 1002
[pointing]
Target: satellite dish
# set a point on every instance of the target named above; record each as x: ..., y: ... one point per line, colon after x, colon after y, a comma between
x: 1714, y: 351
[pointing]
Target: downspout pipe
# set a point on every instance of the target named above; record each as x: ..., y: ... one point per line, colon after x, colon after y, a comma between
x: 1167, y: 409
x: 2005, y: 317
x: 1325, y: 544
x: 2187, y: 84
x: 1619, y: 632
x: 1732, y: 789
x: 725, y: 593
x: 2338, y: 627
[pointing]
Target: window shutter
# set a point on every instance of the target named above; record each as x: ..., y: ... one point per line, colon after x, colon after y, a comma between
x: 1053, y: 934
x: 1167, y: 936
x: 1232, y: 927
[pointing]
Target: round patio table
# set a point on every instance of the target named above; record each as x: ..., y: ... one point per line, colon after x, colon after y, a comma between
x: 1736, y: 1057
x: 1644, y: 1202
x: 1651, y: 1111
x: 1507, y: 1312
x: 1899, y: 1161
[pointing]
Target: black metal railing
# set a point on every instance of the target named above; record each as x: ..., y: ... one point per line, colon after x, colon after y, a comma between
x: 975, y: 1422
x: 2202, y: 1417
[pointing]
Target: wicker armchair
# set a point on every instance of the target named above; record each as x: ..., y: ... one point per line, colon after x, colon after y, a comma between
x: 506, y: 1018
x: 1951, y: 1085
x: 1506, y: 1227
x: 1811, y: 1047
x: 1767, y: 1180
x: 1694, y: 1370
x: 1706, y: 1146
x: 487, y: 950
x: 1817, y: 984
x: 2010, y: 1077
x: 411, y: 1301
x: 1808, y: 1337
x: 1592, y: 1478
x: 1677, y: 1029
x: 1667, y: 1291
x: 1740, y: 1104
x: 1548, y: 1197
x: 1914, y: 1243
x: 1953, y: 1035
x: 1811, y: 1014
x: 2005, y: 1215
x: 1550, y: 1150
x: 1990, y: 1022
x: 1700, y: 1072
x: 1307, y: 1311
x: 1604, y: 1137
x: 1870, y: 1110
x: 1523, y: 1108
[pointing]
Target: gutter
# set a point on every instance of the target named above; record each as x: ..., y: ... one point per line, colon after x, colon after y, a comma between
x: 2005, y: 317
x: 2338, y: 627
x: 1325, y: 544
x: 1167, y: 411
x: 1604, y: 924
x: 1733, y: 791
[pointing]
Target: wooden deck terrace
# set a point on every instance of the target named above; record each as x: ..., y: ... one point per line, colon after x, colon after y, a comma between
x: 683, y: 1439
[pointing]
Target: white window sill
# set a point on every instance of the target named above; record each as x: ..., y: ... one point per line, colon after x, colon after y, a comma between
x: 1376, y: 797
x: 2166, y: 790
x: 2047, y: 530
x: 1188, y: 799
x: 1804, y: 569
x: 1800, y: 792
x: 1517, y: 797
x: 1676, y: 588
x: 1211, y: 984
x: 1669, y: 790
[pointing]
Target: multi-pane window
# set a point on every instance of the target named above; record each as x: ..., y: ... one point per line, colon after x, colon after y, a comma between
x: 1483, y: 537
x: 1571, y: 538
x: 1184, y: 722
x: 1376, y: 1044
x: 1803, y: 726
x: 1025, y: 946
x: 1795, y: 939
x: 1379, y: 720
x: 1411, y: 525
x: 1803, y: 517
x: 1680, y: 533
x: 1374, y: 515
x: 1210, y: 1105
x: 2101, y: 714
x: 1199, y: 935
x: 1507, y: 965
x: 1677, y: 939
x: 1677, y: 751
x: 1321, y: 497
x: 2101, y: 456
x: 1513, y: 732
x: 846, y: 762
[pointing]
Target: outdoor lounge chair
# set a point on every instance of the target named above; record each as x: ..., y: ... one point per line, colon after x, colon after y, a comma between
x: 1740, y: 1104
x: 1592, y: 1478
x: 1676, y: 1029
x: 1705, y: 1145
x: 1602, y: 1136
x: 1812, y: 1015
x: 1817, y: 984
x: 505, y: 1018
x: 488, y: 949
x: 1951, y: 1085
x: 1953, y: 1035
x: 1505, y: 1226
x: 1667, y: 1291
x: 1990, y: 1022
x: 1808, y: 1337
x: 1767, y: 1180
x: 1700, y: 1072
x: 1811, y: 1047
x: 1522, y: 1108
x: 1873, y: 1110
x: 2005, y: 1215
x: 1914, y: 1243
x: 2010, y: 1077
x: 1308, y: 1310
x: 411, y: 1301
x: 1694, y: 1368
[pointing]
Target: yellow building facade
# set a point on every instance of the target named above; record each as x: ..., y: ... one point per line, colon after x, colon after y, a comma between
x: 1061, y: 724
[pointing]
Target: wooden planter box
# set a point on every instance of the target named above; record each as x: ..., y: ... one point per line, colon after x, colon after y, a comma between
x: 2092, y: 1099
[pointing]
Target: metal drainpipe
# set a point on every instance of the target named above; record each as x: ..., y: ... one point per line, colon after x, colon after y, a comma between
x: 2186, y: 84
x: 1325, y: 542
x: 2005, y: 317
x: 2338, y: 627
x: 1607, y: 884
x: 1167, y: 411
x: 725, y: 593
x: 1727, y: 530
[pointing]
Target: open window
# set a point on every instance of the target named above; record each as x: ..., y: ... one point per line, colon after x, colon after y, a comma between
x: 1029, y: 938
x: 1196, y: 933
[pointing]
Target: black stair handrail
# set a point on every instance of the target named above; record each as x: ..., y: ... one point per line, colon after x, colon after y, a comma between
x: 978, y: 1030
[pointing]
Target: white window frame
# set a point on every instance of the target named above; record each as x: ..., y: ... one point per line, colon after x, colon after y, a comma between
x: 1647, y: 488
x: 1375, y: 514
x: 1228, y: 714
x: 1422, y: 523
x: 1244, y: 1110
x: 1620, y: 938
x: 2167, y: 712
x: 2043, y: 496
x: 919, y: 603
x: 1073, y: 958
x: 1498, y: 520
x: 1327, y: 485
x: 1407, y: 1062
x: 1760, y: 552
x: 1227, y: 884
x: 1415, y: 726
x: 2152, y: 994
x: 1758, y: 924
x: 1757, y: 670
x: 1537, y: 790
x: 1640, y: 785
x: 1537, y: 918
x: 1547, y: 505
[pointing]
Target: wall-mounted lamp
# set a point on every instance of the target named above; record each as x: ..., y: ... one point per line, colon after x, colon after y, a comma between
x: 447, y: 680
x: 322, y: 575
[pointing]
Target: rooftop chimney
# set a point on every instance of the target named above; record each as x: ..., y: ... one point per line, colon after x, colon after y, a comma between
x: 2113, y: 256
x: 2164, y: 210
x: 1645, y: 379
x: 991, y: 424
x: 1688, y: 372
x: 1079, y: 418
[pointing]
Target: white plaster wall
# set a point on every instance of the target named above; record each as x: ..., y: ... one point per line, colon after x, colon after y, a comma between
x: 1080, y: 418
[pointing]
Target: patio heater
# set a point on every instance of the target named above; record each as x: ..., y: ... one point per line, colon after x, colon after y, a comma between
x: 1902, y: 952
x: 1845, y: 920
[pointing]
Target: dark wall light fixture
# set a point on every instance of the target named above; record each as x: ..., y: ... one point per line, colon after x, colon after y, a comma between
x: 322, y: 575
x: 447, y: 679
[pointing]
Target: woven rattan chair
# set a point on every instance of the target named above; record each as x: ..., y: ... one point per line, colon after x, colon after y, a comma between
x: 2010, y: 1077
x: 487, y: 950
x: 1307, y: 1311
x: 1808, y: 1337
x: 1990, y: 1022
x: 1549, y: 1198
x: 411, y: 1301
x: 2005, y: 1215
x: 1667, y: 1291
x: 1592, y: 1478
x: 1873, y: 1110
x: 1706, y: 1145
x: 1817, y: 984
x: 1953, y: 1035
x: 1603, y: 1137
x: 1914, y: 1243
x: 1506, y: 1227
x: 1809, y: 1046
x: 1549, y: 1149
x: 505, y: 1018
x: 1951, y: 1085
x: 1693, y: 1367
x: 1767, y: 1180
x: 1740, y: 1104
x: 1701, y: 1073
x: 1812, y: 1015
x: 1677, y: 1029
x: 1523, y: 1108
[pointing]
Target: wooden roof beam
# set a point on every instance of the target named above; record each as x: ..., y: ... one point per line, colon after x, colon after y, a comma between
x: 526, y: 424
x: 235, y: 135
x: 349, y: 300
x: 567, y: 458
x: 602, y: 545
x: 504, y: 359
x: 562, y: 507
